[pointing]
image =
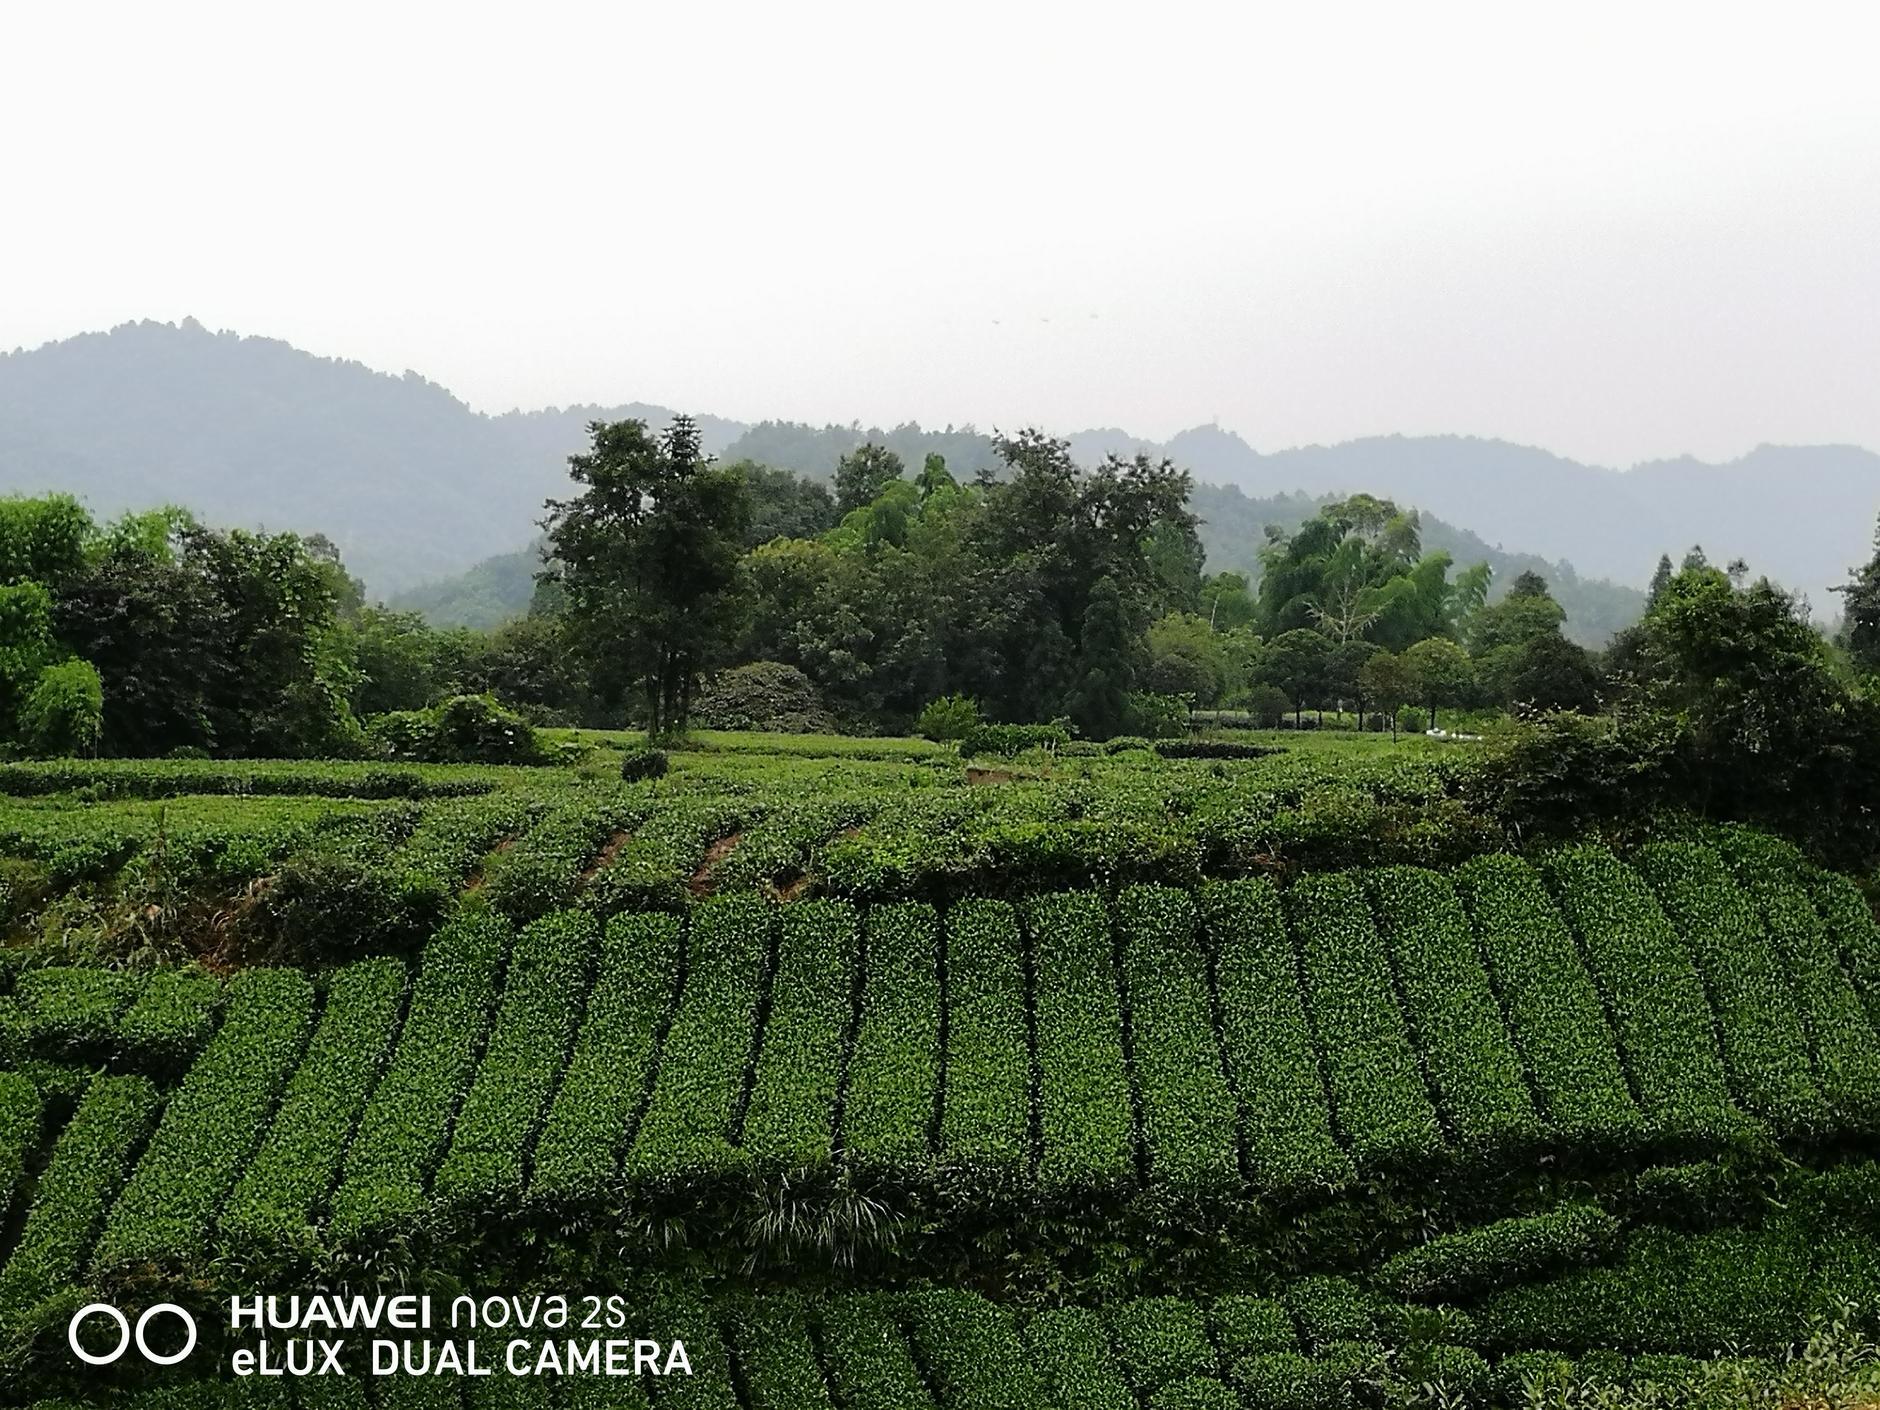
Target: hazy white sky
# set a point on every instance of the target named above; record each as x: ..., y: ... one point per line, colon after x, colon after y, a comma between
x: 1618, y: 231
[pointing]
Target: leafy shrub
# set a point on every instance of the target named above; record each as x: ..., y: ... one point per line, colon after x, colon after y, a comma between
x: 1508, y: 1250
x: 275, y: 1201
x: 1286, y: 1118
x: 466, y: 729
x: 985, y: 1133
x: 1156, y: 716
x: 1267, y: 705
x: 1160, y: 1339
x: 549, y: 967
x: 1243, y: 1324
x: 171, y: 1020
x: 1195, y: 1393
x: 1187, y: 1109
x: 1007, y: 740
x: 763, y: 695
x: 790, y: 1121
x: 1083, y: 1087
x: 951, y: 717
x: 1212, y: 749
x: 212, y: 1124
x: 402, y: 1130
x: 64, y: 714
x: 1376, y: 1086
x: 894, y: 1071
x: 643, y: 762
x: 1123, y: 743
x: 612, y: 1063
x: 87, y: 1164
x: 19, y: 1133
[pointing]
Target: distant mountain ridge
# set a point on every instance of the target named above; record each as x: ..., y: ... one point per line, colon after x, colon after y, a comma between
x: 415, y: 486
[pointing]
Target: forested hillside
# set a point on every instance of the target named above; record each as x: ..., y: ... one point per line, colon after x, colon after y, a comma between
x: 414, y: 486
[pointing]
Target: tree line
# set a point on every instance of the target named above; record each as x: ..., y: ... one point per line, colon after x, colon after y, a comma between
x: 1037, y: 589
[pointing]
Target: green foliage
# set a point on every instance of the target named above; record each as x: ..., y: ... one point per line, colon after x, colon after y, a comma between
x: 20, y: 1111
x: 1159, y: 1340
x: 599, y: 1098
x: 951, y: 717
x: 1083, y: 1088
x: 87, y: 1165
x: 870, y: 1364
x: 973, y: 1352
x: 278, y: 1196
x: 1187, y: 1106
x: 62, y: 1011
x: 1285, y: 1117
x: 1845, y: 1055
x: 549, y: 967
x: 985, y: 1131
x: 1008, y: 740
x: 642, y: 763
x: 1071, y: 1348
x: 466, y: 729
x: 1384, y: 1111
x: 763, y: 695
x: 1242, y: 1325
x: 894, y: 1069
x: 686, y: 1134
x: 1473, y: 1068
x: 1659, y: 1008
x: 402, y: 1130
x: 171, y: 1020
x: 1506, y: 1251
x: 1764, y: 1048
x: 790, y: 1121
x: 64, y: 712
x: 1554, y: 1012
x: 211, y: 1125
x: 647, y: 557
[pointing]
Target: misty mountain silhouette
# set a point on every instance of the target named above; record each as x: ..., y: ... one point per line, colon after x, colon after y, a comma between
x: 415, y: 485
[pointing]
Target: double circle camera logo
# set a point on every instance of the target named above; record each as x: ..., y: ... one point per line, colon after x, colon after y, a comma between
x: 126, y: 1335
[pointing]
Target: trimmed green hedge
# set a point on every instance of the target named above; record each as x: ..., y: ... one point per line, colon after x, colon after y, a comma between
x: 1472, y: 1064
x: 985, y: 1126
x: 211, y: 1124
x: 791, y: 1119
x: 1084, y: 1110
x: 528, y: 1048
x: 1188, y: 1108
x: 1378, y: 1093
x: 279, y: 1194
x: 606, y: 1083
x: 1764, y: 1048
x: 1452, y: 1265
x: 88, y: 1163
x: 894, y: 1071
x: 687, y: 1131
x: 403, y: 1130
x: 1555, y: 1013
x: 1285, y: 1114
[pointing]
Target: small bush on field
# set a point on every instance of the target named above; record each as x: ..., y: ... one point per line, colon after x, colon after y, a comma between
x: 1157, y: 716
x: 763, y: 695
x: 64, y: 715
x: 643, y: 762
x: 1013, y: 739
x: 466, y: 729
x: 949, y: 718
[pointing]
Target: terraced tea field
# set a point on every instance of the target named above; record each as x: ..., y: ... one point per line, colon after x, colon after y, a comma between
x: 1122, y: 1081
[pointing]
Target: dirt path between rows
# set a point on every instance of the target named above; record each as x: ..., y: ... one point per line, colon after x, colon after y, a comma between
x: 701, y: 882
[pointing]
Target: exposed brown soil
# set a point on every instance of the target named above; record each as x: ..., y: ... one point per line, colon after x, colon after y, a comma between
x: 609, y: 850
x: 475, y: 882
x: 701, y: 882
x: 975, y: 776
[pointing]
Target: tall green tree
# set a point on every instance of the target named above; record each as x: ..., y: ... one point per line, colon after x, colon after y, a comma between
x: 648, y: 557
x: 1106, y: 663
x: 1860, y: 606
x: 1440, y: 673
x: 863, y: 474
